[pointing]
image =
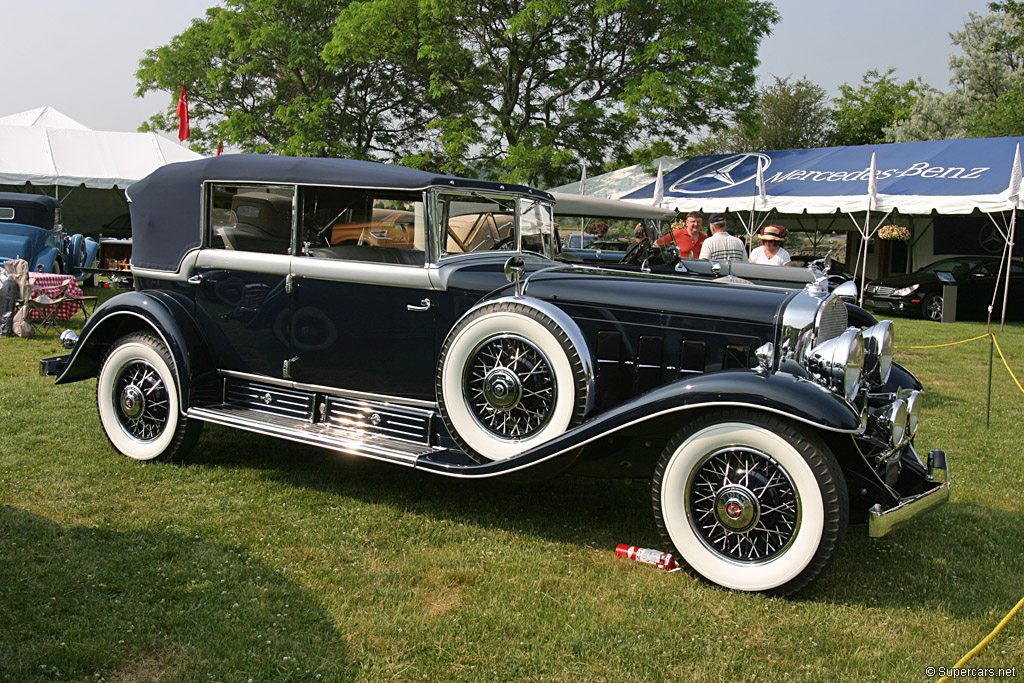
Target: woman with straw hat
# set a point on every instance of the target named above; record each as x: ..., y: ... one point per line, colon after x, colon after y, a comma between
x: 771, y: 252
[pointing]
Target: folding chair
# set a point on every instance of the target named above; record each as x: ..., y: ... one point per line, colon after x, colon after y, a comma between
x: 48, y: 307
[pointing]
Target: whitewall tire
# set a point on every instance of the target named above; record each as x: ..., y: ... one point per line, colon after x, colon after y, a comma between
x: 509, y: 379
x: 749, y: 502
x: 139, y: 403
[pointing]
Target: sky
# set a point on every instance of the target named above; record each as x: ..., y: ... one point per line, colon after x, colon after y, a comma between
x: 80, y: 56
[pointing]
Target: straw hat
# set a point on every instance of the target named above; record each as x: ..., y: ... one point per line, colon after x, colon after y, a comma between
x: 772, y: 233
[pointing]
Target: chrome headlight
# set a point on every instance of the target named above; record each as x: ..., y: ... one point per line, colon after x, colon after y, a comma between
x: 913, y: 413
x: 838, y: 362
x: 878, y: 352
x: 896, y: 419
x: 905, y: 291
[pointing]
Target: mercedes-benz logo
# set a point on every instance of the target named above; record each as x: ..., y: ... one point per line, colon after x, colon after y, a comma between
x: 990, y: 239
x: 728, y: 171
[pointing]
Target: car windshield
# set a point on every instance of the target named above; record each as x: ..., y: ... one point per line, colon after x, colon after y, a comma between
x: 957, y: 268
x: 477, y: 222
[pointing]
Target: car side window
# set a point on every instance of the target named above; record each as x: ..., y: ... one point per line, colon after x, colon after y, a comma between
x: 255, y: 218
x: 351, y: 224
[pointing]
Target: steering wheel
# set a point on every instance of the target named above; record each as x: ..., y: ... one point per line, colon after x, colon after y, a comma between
x: 505, y: 244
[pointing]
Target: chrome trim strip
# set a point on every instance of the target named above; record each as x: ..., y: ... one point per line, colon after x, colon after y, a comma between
x: 182, y: 274
x: 249, y: 261
x: 333, y: 391
x: 881, y: 522
x: 362, y: 272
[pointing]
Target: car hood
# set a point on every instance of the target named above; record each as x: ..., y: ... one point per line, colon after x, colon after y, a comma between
x: 905, y: 280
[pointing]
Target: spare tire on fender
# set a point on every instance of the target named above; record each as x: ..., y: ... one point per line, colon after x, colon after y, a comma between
x: 512, y: 375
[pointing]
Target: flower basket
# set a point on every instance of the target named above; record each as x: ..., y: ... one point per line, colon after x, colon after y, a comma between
x: 894, y: 232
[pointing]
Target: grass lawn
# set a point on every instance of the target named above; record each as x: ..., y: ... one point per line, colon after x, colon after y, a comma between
x: 265, y: 560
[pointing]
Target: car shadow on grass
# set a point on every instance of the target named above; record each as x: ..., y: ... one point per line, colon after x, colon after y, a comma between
x: 570, y: 509
x: 80, y: 603
x: 960, y: 558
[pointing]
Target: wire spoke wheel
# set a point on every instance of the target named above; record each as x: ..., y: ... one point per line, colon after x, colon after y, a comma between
x: 510, y: 387
x: 749, y: 501
x: 139, y: 402
x: 512, y: 377
x: 141, y: 399
x: 743, y: 505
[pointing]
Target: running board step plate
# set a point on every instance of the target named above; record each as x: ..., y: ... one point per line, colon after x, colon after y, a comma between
x: 333, y: 435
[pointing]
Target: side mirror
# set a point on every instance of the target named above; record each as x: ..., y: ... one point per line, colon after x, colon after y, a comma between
x: 515, y: 266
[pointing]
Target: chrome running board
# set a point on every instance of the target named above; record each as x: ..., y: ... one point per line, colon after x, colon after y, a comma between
x: 324, y: 435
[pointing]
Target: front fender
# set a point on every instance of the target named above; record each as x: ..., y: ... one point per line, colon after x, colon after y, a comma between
x: 791, y: 397
x: 161, y: 313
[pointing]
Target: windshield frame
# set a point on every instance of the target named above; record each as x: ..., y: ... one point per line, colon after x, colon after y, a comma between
x: 506, y: 204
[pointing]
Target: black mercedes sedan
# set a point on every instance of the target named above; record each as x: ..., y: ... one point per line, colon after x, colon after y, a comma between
x: 920, y: 293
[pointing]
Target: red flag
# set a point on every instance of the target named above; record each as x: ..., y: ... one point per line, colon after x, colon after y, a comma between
x: 220, y: 148
x: 182, y: 113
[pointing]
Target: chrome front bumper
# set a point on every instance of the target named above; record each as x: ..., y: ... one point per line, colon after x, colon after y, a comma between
x: 881, y: 522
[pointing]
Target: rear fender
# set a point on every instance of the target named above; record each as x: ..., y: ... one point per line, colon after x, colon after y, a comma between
x: 43, y: 262
x: 160, y: 313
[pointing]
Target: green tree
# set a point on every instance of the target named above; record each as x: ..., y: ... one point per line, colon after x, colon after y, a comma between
x: 514, y: 89
x: 788, y: 115
x: 257, y: 81
x: 988, y: 83
x: 861, y: 115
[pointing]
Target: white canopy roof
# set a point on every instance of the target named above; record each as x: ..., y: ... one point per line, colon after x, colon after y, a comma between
x: 70, y: 157
x: 615, y: 184
x: 43, y: 117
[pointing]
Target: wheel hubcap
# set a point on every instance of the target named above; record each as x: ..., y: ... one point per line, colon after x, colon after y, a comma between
x: 142, y: 401
x: 743, y: 505
x: 510, y: 387
x: 736, y: 508
x: 133, y: 402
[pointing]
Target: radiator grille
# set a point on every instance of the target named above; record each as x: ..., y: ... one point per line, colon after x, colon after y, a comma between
x: 832, y: 320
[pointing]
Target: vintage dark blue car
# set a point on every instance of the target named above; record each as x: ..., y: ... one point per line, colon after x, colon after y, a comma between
x: 30, y: 229
x: 419, y: 319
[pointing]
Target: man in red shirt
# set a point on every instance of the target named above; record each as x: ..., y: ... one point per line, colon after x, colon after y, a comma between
x: 688, y: 237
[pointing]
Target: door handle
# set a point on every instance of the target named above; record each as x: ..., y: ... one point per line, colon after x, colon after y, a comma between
x: 196, y: 279
x: 424, y: 306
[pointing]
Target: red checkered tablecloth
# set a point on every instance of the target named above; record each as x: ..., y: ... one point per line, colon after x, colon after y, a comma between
x: 50, y: 284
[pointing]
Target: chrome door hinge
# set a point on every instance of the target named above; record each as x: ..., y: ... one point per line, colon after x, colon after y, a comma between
x: 289, y: 284
x: 291, y: 366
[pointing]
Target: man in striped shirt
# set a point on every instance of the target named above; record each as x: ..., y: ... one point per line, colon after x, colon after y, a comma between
x: 721, y: 246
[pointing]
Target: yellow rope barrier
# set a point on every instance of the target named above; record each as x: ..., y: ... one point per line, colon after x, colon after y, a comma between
x: 983, y: 336
x: 1017, y: 381
x: 939, y: 346
x: 988, y: 639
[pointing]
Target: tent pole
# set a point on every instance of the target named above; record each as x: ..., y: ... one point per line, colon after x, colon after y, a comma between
x: 988, y: 406
x: 1009, y: 265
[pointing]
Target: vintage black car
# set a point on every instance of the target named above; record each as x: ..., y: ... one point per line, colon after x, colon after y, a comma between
x: 763, y: 420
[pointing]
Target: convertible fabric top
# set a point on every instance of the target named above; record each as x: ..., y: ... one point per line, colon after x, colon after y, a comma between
x: 31, y: 209
x: 166, y: 206
x: 947, y: 176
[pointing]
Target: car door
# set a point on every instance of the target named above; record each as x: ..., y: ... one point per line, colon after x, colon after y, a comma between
x: 241, y: 273
x: 363, y: 305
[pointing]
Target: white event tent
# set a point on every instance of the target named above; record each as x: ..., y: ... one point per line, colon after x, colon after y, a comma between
x: 45, y: 152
